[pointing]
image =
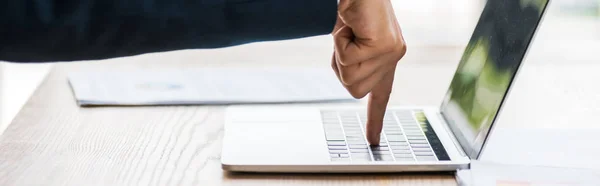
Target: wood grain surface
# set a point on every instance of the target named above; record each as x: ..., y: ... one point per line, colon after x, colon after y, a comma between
x: 52, y: 141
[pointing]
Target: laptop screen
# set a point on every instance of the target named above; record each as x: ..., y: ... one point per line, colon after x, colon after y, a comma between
x: 487, y: 68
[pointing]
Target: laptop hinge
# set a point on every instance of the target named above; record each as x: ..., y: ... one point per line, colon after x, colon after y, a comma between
x: 459, y: 148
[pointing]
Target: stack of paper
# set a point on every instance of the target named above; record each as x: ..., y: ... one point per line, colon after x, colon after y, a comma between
x: 206, y: 86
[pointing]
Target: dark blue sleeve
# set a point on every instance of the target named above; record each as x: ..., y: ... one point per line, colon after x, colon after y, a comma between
x: 70, y: 30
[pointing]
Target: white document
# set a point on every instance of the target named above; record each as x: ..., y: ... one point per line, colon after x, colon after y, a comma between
x: 206, y: 86
x: 555, y: 147
x: 493, y: 174
x: 536, y: 157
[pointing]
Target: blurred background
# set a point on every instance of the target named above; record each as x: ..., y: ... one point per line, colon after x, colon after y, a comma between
x: 430, y: 23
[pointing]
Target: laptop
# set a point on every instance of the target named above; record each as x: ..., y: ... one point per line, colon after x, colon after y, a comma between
x: 331, y: 139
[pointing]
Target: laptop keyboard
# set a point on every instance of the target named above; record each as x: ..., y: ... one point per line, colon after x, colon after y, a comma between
x: 407, y: 136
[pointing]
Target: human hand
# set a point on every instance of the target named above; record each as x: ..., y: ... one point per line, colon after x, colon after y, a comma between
x: 368, y: 46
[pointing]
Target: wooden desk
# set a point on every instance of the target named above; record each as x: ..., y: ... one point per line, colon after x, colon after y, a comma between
x: 54, y: 142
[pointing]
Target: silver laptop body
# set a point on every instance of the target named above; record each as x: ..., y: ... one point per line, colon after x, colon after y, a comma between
x: 331, y: 139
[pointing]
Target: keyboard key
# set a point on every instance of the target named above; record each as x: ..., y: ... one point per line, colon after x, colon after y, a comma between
x: 399, y: 147
x: 413, y: 132
x: 344, y: 155
x: 426, y: 158
x: 379, y: 148
x: 419, y: 146
x: 338, y: 151
x: 403, y: 155
x: 382, y: 144
x: 357, y: 142
x: 418, y: 142
x: 336, y: 143
x: 410, y: 124
x: 395, y: 138
x: 359, y: 150
x: 335, y: 155
x: 422, y: 149
x: 381, y: 152
x: 391, y: 125
x: 358, y: 146
x: 390, y: 129
x: 354, y: 138
x: 334, y: 133
x: 350, y: 130
x: 349, y: 133
x: 334, y: 138
x: 424, y: 153
x: 398, y: 143
x: 393, y: 132
x: 337, y: 148
x: 407, y: 151
x: 416, y: 138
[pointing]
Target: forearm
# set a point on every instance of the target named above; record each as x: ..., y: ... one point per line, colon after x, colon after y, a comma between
x: 47, y: 30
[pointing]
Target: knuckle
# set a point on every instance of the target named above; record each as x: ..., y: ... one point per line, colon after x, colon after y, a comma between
x: 346, y: 80
x: 402, y: 47
x: 343, y: 59
x: 400, y: 50
x: 348, y: 76
x: 356, y: 92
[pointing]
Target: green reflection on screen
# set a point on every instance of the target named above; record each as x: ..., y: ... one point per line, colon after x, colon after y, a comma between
x: 489, y: 64
x: 479, y: 85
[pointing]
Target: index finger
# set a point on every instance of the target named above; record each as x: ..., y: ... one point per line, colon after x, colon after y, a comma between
x: 378, y: 101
